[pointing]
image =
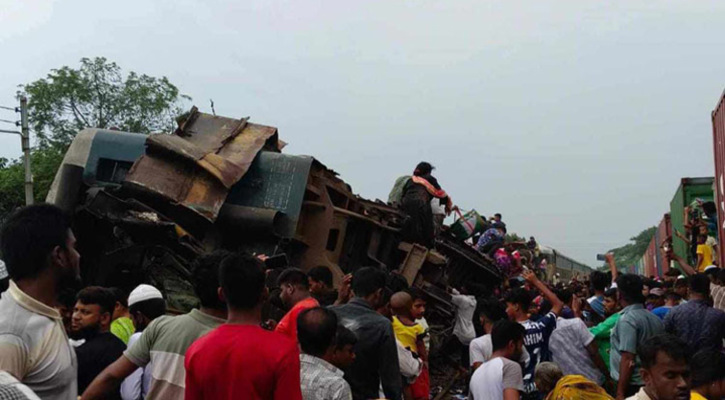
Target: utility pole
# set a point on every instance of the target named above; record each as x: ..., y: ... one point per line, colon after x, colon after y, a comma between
x: 25, y: 138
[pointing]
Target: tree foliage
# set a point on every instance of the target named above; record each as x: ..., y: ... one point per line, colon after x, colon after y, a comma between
x: 630, y: 253
x: 69, y: 100
x: 97, y: 95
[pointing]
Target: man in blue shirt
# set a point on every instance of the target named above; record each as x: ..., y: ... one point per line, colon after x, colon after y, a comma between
x: 537, y: 335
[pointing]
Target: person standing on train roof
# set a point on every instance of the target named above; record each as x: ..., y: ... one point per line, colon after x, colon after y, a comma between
x: 417, y: 195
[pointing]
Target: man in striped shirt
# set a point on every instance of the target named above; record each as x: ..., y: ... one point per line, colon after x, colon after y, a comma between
x: 164, y: 342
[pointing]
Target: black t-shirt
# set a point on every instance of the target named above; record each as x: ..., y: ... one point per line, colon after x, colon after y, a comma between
x: 95, y: 355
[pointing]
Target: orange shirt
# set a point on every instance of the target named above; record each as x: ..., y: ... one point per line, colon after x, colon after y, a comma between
x: 288, y: 324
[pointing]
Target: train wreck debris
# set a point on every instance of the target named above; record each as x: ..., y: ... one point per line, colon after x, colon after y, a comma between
x: 146, y: 207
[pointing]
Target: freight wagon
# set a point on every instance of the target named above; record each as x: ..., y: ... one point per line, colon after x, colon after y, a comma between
x: 689, y: 190
x: 718, y: 136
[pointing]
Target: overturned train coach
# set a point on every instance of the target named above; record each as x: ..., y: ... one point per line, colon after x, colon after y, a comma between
x: 145, y: 207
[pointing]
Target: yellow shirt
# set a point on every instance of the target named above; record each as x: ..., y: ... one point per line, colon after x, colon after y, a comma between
x: 407, y: 335
x: 706, y: 252
x: 696, y: 396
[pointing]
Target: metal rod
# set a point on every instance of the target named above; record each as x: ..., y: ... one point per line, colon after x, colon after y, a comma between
x: 25, y: 139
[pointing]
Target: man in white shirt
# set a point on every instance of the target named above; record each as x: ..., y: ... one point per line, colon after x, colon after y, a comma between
x: 500, y: 378
x: 573, y: 348
x: 481, y: 348
x: 463, y: 328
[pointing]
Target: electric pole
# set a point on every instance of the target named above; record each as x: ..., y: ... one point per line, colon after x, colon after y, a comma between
x: 25, y: 138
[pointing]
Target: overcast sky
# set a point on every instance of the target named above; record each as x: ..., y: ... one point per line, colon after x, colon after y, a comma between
x: 574, y: 119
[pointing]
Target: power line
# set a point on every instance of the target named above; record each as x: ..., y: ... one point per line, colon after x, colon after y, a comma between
x: 10, y: 122
x: 9, y: 108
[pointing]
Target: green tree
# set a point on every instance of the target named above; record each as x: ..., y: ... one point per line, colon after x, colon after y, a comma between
x: 97, y: 95
x: 630, y: 253
x: 69, y: 100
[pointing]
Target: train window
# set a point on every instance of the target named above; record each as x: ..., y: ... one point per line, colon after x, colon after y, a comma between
x: 112, y: 171
x: 332, y: 239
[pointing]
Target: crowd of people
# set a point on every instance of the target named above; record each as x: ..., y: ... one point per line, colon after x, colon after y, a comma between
x: 607, y: 335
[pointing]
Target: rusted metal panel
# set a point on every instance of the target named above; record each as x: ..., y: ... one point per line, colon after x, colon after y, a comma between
x: 195, y: 168
x: 718, y: 136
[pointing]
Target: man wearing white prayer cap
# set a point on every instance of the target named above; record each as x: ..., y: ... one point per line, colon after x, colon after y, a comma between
x: 145, y: 304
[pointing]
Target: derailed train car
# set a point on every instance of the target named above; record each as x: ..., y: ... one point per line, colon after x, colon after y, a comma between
x: 145, y: 207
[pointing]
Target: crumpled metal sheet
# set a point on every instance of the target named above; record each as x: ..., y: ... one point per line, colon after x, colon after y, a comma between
x: 196, y: 166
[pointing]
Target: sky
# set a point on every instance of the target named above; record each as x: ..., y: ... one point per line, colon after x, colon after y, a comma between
x: 574, y: 119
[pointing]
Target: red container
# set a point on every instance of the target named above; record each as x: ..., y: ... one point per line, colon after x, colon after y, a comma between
x: 718, y: 136
x: 663, y: 236
x: 650, y: 259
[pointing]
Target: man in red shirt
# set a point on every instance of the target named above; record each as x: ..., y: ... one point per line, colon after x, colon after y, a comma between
x: 239, y: 359
x: 295, y: 295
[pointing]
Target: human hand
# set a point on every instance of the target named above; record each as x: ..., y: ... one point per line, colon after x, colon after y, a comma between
x: 345, y: 292
x: 609, y: 257
x: 529, y: 276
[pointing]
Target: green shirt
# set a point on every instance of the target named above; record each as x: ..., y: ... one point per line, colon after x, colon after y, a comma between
x: 635, y: 326
x: 602, y: 333
x: 123, y: 328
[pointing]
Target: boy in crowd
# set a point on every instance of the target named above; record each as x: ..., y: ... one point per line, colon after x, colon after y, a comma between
x: 164, y: 341
x: 500, y: 377
x: 146, y: 303
x: 239, y: 359
x: 122, y: 326
x: 665, y: 369
x: 636, y: 325
x: 410, y: 334
x: 537, y: 333
x: 92, y: 322
x: 38, y: 247
x: 319, y: 377
x: 321, y: 285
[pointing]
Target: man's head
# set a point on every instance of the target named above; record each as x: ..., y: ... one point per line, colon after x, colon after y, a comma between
x: 38, y: 239
x: 666, y: 367
x: 711, y: 272
x: 720, y: 278
x: 681, y: 287
x: 611, y: 301
x: 343, y: 354
x: 630, y: 289
x: 508, y: 337
x: 320, y: 280
x: 708, y: 374
x: 599, y: 281
x: 65, y: 305
x: 294, y: 286
x: 419, y: 302
x: 702, y: 230
x: 383, y: 307
x: 490, y: 311
x: 368, y: 283
x: 121, y: 306
x: 423, y: 168
x: 92, y: 312
x: 206, y: 279
x: 671, y: 298
x: 700, y: 285
x: 546, y: 376
x: 241, y: 277
x: 518, y: 302
x: 316, y: 330
x: 701, y: 239
x: 145, y: 303
x: 497, y: 217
